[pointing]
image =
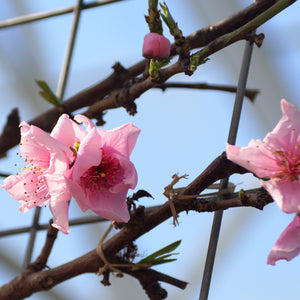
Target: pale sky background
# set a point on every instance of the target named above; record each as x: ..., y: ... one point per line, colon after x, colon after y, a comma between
x: 182, y: 131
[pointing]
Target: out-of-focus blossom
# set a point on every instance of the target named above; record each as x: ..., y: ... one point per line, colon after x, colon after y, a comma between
x: 156, y: 46
x: 43, y: 180
x: 277, y: 159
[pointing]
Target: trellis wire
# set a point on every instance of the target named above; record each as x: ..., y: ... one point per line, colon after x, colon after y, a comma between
x: 64, y: 73
x: 216, y: 226
x: 60, y: 93
x: 35, y: 226
x: 72, y: 222
x: 32, y: 236
x: 51, y: 13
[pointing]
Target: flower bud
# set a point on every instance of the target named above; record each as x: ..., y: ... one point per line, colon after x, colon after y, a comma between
x: 156, y: 46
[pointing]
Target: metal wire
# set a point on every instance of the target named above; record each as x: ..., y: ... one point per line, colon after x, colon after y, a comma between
x: 32, y: 236
x: 51, y: 13
x: 216, y: 226
x: 60, y: 94
x: 72, y: 222
x: 63, y: 76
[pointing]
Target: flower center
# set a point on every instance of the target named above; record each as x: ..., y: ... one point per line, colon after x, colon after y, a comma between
x: 289, y: 161
x: 103, y: 176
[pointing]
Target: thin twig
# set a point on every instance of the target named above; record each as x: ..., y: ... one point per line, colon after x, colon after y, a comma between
x: 29, y: 283
x: 50, y: 13
x: 124, y: 97
x: 250, y: 93
x: 170, y: 193
x: 4, y: 174
x: 98, y: 92
x: 24, y: 285
x: 72, y: 222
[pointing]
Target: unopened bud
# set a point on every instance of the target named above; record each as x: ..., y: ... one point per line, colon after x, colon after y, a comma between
x: 156, y: 46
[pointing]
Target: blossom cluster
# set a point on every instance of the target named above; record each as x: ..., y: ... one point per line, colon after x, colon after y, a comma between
x: 276, y: 159
x: 92, y: 165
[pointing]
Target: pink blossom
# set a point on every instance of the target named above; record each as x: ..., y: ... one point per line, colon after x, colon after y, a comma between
x: 92, y: 165
x: 43, y: 181
x: 276, y: 157
x: 102, y: 172
x: 156, y: 46
x: 287, y: 246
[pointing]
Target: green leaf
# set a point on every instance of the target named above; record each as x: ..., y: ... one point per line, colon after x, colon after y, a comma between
x: 162, y: 261
x: 167, y: 18
x: 170, y: 22
x: 155, y: 65
x: 47, y: 93
x: 195, y: 62
x: 159, y: 257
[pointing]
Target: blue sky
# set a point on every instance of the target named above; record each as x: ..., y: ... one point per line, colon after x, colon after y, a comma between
x: 182, y: 131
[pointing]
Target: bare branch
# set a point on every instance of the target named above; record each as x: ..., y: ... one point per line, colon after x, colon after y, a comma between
x: 121, y: 77
x: 140, y: 223
x: 29, y: 283
x: 11, y: 132
x: 41, y: 262
x: 250, y: 93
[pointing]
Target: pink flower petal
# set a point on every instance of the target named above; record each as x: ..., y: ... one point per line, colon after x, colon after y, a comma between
x: 59, y: 164
x: 256, y: 158
x: 89, y: 153
x: 290, y: 116
x: 23, y: 188
x: 277, y: 157
x: 108, y: 205
x: 286, y: 134
x: 285, y: 193
x: 33, y: 136
x: 111, y: 206
x: 79, y: 194
x: 60, y: 197
x: 42, y: 181
x: 130, y: 179
x: 102, y: 172
x: 122, y: 139
x: 67, y: 131
x: 85, y: 121
x: 287, y: 245
x: 14, y: 185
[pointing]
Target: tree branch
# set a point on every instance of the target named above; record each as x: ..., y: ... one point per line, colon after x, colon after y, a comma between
x: 121, y: 76
x: 249, y: 93
x: 121, y: 89
x: 150, y: 279
x: 29, y: 283
x: 11, y: 127
x: 41, y: 262
x: 140, y: 223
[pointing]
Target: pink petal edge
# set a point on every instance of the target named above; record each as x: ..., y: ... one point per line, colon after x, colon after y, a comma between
x: 287, y: 245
